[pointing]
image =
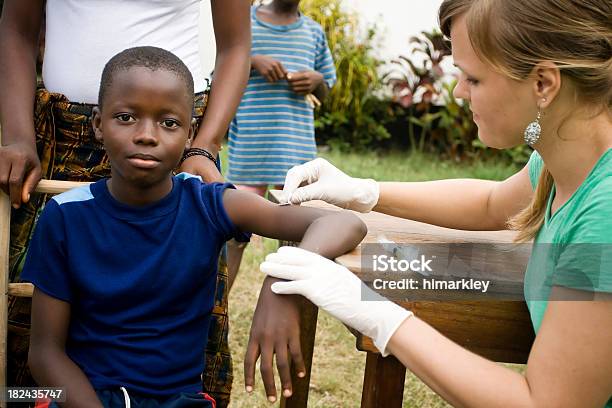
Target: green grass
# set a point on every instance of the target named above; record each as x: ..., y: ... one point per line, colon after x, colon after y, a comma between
x: 337, y: 375
x: 398, y: 166
x: 404, y: 166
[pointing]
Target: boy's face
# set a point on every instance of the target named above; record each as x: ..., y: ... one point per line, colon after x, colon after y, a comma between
x: 145, y: 126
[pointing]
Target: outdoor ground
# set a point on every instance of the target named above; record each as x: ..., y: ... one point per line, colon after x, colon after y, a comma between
x: 337, y: 375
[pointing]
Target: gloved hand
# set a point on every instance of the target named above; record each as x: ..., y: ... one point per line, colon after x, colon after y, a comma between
x: 327, y: 183
x: 337, y: 290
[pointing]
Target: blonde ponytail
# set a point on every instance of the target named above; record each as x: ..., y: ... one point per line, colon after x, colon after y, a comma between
x: 529, y: 221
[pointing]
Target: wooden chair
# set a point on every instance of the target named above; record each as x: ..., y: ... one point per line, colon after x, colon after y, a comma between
x: 16, y: 289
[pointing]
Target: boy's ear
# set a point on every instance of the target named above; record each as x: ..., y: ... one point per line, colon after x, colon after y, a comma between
x: 96, y: 123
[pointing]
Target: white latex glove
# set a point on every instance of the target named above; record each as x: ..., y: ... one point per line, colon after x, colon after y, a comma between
x: 337, y: 290
x: 327, y: 183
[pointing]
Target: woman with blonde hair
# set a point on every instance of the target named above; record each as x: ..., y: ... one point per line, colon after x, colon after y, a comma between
x: 536, y: 72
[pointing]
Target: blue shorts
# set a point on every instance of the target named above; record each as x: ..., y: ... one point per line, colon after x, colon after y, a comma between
x: 115, y: 398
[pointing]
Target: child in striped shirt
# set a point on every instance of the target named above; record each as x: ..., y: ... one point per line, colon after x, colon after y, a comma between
x: 274, y: 126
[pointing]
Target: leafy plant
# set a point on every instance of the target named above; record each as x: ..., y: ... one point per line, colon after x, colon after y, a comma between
x: 408, y: 79
x: 418, y: 87
x: 347, y: 115
x: 438, y: 122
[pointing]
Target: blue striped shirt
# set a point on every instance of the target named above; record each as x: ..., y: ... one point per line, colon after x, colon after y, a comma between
x: 274, y: 127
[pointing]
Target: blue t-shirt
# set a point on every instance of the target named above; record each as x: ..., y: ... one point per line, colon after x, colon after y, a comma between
x: 140, y: 281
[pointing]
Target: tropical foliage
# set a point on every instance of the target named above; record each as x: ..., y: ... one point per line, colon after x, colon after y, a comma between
x: 437, y: 121
x: 349, y: 116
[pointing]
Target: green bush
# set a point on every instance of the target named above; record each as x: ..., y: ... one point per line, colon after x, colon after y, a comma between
x: 351, y: 116
x: 439, y: 123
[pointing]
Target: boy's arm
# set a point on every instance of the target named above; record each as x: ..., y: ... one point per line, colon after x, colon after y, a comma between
x: 321, y: 91
x: 50, y: 365
x: 309, y: 226
x: 275, y: 327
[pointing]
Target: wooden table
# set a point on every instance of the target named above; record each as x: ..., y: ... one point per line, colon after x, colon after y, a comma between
x: 499, y: 330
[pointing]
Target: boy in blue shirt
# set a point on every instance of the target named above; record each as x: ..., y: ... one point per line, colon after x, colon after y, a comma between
x: 124, y: 269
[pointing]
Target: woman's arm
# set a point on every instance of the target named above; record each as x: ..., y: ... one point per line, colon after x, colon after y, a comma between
x: 232, y: 25
x: 467, y: 204
x: 19, y: 31
x: 570, y: 364
x: 275, y: 327
x: 50, y: 365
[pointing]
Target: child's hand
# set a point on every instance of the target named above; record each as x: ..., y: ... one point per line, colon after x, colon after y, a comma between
x: 304, y: 82
x: 275, y: 330
x: 270, y: 68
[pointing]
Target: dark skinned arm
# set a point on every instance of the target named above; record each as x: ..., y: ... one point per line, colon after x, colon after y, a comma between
x: 19, y: 31
x: 48, y: 361
x: 232, y: 25
x: 305, y: 82
x: 270, y: 68
x: 321, y: 91
x: 275, y: 327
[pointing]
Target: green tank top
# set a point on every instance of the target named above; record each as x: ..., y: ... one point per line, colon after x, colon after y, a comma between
x: 573, y: 248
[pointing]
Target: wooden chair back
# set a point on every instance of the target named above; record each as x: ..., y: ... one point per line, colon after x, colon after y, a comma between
x: 16, y: 289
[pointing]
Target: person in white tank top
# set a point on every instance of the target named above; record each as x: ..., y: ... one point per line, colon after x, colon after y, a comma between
x: 81, y: 36
x: 100, y: 29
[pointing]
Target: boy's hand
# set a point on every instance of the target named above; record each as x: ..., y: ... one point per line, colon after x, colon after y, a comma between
x: 304, y: 82
x: 275, y: 330
x: 270, y: 68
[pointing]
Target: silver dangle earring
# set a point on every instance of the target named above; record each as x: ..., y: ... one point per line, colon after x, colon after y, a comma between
x: 534, y: 129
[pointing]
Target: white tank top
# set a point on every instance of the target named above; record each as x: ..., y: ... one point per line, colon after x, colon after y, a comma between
x: 82, y: 35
